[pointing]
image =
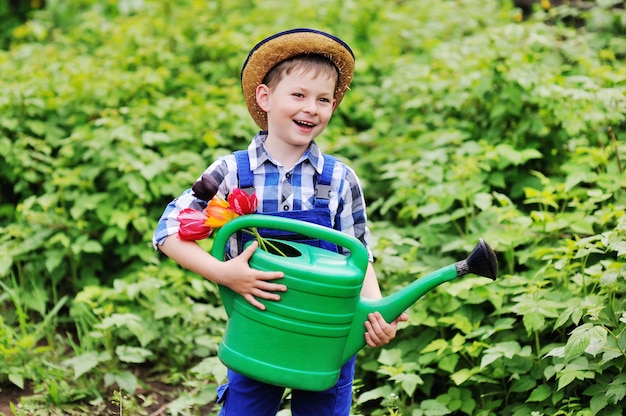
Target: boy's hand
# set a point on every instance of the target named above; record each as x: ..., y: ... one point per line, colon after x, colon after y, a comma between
x: 250, y: 283
x: 379, y: 332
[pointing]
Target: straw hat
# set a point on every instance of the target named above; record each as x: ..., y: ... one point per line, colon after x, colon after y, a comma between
x: 284, y: 45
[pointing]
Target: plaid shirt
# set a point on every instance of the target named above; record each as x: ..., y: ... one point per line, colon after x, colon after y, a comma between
x: 279, y: 189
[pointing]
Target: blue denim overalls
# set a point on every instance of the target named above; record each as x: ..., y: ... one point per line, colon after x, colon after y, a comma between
x: 243, y: 396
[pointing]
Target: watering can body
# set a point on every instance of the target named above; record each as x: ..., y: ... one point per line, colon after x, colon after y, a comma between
x: 303, y: 340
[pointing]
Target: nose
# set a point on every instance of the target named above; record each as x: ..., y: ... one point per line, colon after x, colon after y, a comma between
x: 310, y: 106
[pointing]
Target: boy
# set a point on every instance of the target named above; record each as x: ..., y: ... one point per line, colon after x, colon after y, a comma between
x: 292, y: 82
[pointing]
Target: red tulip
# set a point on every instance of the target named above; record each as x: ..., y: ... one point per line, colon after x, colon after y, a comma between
x: 241, y: 202
x: 193, y: 225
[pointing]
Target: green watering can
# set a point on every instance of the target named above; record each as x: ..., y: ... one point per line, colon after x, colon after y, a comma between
x: 303, y: 340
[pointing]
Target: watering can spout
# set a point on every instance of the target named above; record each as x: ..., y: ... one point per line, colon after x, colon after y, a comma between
x: 482, y: 261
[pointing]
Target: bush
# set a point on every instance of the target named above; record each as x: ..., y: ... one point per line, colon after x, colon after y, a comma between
x: 463, y: 122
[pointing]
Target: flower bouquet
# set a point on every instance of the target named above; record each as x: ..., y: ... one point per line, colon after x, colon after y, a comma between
x: 198, y: 225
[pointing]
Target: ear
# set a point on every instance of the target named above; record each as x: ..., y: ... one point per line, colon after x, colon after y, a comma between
x: 263, y: 96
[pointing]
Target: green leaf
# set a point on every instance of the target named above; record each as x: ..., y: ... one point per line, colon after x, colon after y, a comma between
x: 409, y: 382
x: 579, y: 369
x: 567, y: 377
x: 375, y: 394
x: 463, y: 375
x: 540, y: 393
x: 460, y: 322
x: 118, y: 320
x: 127, y: 381
x: 17, y: 379
x: 85, y: 362
x: 151, y: 138
x: 585, y: 338
x: 503, y: 349
x: 132, y: 354
x: 53, y: 260
x: 439, y: 345
x: 434, y: 408
x: 144, y: 333
x: 483, y: 200
x: 210, y: 366
x: 488, y: 359
x: 92, y: 246
x: 524, y: 383
x: 448, y: 363
x: 390, y: 356
x: 619, y: 246
x: 597, y: 341
x: 616, y: 391
x: 6, y: 261
x: 136, y: 184
x: 534, y: 321
x: 598, y: 402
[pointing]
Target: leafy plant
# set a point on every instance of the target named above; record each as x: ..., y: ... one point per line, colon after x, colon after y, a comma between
x: 464, y: 121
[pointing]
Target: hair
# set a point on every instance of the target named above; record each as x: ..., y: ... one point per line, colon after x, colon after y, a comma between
x: 317, y: 63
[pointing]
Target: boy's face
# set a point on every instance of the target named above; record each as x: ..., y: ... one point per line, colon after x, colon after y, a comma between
x: 298, y: 107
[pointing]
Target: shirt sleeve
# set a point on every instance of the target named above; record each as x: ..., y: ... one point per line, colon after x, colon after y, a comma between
x: 351, y: 213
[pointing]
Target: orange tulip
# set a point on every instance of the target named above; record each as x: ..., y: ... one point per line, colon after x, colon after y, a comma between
x: 218, y: 213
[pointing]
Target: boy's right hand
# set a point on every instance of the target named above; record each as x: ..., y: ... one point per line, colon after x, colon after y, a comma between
x: 250, y: 283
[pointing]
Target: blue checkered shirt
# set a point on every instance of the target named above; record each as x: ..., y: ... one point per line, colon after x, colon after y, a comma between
x: 279, y: 189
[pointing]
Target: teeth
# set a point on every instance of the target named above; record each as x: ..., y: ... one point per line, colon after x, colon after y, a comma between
x: 304, y: 123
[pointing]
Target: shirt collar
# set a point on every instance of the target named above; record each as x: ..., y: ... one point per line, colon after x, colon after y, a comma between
x: 259, y: 155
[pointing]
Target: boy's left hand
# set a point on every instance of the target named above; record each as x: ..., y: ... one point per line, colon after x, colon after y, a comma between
x: 379, y: 332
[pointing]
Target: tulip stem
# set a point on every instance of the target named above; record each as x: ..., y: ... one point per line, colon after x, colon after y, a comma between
x: 263, y: 243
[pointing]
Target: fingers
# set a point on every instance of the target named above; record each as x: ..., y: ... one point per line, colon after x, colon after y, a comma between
x: 256, y: 284
x: 249, y: 251
x: 265, y: 292
x: 254, y: 302
x: 402, y: 318
x: 245, y: 257
x: 262, y: 289
x: 379, y: 332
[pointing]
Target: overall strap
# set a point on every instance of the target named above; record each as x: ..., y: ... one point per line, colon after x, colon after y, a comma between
x: 323, y: 187
x: 246, y: 177
x: 320, y: 214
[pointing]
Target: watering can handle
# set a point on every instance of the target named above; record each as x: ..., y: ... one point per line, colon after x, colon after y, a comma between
x: 358, y: 253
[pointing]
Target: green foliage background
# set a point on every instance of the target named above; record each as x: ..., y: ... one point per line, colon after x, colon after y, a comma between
x: 463, y: 122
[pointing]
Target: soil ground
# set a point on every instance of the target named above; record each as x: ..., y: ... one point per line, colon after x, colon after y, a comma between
x: 10, y: 394
x: 156, y: 398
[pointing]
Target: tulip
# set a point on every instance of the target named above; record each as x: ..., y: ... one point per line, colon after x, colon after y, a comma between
x: 218, y: 213
x: 241, y: 202
x: 193, y: 225
x: 205, y: 188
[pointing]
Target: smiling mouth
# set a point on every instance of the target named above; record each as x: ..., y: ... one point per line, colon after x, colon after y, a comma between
x: 304, y: 124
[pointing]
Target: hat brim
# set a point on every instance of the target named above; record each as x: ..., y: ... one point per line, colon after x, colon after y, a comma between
x: 284, y: 45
